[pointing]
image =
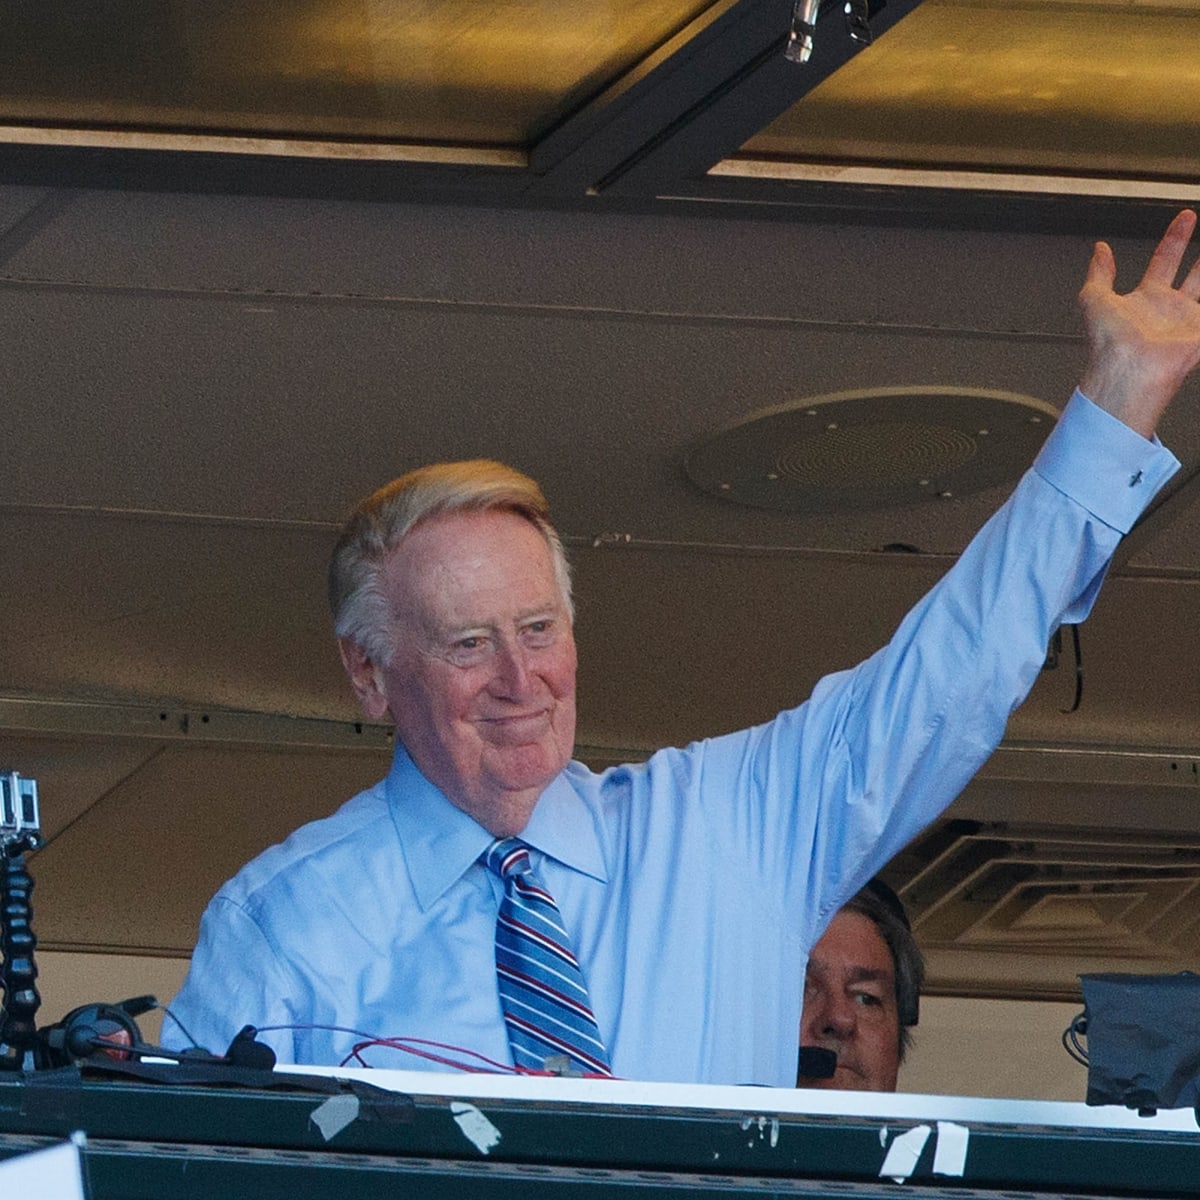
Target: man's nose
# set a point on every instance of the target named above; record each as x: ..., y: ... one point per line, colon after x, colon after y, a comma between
x: 836, y: 1017
x: 512, y: 676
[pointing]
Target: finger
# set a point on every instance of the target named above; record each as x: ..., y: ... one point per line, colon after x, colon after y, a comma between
x: 1190, y: 287
x: 1101, y: 272
x: 1168, y: 254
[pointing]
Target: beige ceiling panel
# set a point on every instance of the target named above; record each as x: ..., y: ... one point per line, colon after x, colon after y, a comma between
x: 73, y: 773
x: 1089, y: 87
x: 392, y: 70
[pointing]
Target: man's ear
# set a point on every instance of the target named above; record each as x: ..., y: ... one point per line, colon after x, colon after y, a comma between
x: 366, y: 678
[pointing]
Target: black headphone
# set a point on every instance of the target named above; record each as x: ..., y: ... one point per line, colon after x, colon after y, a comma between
x: 92, y: 1030
x: 109, y: 1031
x: 889, y: 899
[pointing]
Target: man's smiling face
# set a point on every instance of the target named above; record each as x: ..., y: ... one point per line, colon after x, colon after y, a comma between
x: 481, y: 678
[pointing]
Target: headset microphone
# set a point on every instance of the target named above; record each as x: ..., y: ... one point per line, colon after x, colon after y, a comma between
x: 244, y: 1051
x: 817, y: 1063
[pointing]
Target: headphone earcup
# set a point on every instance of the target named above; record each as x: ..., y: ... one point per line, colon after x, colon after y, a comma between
x: 90, y: 1030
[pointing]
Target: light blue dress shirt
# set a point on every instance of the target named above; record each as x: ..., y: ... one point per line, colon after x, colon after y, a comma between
x: 692, y: 885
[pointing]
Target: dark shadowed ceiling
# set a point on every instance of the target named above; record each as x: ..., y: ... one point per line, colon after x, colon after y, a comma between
x: 257, y: 259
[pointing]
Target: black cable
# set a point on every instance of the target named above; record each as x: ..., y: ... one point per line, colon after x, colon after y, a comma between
x: 1078, y: 672
x: 187, y: 1033
x: 1070, y: 1039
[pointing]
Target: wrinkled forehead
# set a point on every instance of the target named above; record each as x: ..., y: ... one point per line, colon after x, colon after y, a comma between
x: 460, y: 565
x: 852, y: 948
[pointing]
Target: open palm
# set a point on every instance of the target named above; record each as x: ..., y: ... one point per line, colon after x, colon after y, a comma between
x: 1143, y: 343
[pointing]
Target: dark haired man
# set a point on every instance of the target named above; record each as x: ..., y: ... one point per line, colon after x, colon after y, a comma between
x: 862, y: 987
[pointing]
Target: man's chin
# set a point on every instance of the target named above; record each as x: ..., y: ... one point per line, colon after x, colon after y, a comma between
x: 511, y: 795
x: 842, y: 1080
x: 524, y: 768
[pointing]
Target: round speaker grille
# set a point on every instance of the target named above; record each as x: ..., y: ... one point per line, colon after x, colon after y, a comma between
x: 887, y: 454
x: 877, y: 449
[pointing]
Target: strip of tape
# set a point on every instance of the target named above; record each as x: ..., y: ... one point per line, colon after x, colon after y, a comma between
x: 334, y: 1114
x: 950, y: 1154
x: 901, y: 1158
x: 477, y: 1129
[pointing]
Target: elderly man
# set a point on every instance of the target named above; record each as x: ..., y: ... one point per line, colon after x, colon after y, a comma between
x: 862, y: 989
x: 651, y: 920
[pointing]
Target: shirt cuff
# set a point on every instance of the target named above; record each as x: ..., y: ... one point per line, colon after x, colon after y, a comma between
x: 1102, y: 464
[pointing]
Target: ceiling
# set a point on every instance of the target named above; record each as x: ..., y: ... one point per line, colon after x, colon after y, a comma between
x: 244, y: 279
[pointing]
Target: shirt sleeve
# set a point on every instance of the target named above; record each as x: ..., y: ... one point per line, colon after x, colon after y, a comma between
x: 234, y: 978
x: 1101, y: 464
x: 839, y: 785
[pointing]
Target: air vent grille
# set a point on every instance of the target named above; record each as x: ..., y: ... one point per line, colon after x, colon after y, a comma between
x: 1052, y: 903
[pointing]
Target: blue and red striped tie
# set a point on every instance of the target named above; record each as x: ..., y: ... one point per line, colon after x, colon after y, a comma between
x: 542, y: 990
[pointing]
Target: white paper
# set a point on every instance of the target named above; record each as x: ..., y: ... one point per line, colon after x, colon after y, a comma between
x: 53, y: 1174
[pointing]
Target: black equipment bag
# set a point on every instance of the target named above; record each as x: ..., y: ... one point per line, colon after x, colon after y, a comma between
x: 1143, y: 1040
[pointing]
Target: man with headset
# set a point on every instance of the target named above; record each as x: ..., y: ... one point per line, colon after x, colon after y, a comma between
x: 862, y: 988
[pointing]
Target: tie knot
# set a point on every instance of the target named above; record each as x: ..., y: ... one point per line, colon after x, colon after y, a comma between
x: 507, y: 857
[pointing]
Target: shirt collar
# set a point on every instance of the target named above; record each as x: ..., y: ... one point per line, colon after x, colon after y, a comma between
x: 440, y: 841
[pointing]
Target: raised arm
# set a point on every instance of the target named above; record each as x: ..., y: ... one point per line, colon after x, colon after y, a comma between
x: 1144, y: 343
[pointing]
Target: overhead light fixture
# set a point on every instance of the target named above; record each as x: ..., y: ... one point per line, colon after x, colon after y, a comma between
x: 799, y: 46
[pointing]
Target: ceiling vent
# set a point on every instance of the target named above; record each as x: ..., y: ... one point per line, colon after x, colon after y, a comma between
x: 883, y: 448
x: 1023, y: 910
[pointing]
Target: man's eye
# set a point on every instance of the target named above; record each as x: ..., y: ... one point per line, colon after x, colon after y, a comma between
x: 469, y: 647
x: 868, y: 999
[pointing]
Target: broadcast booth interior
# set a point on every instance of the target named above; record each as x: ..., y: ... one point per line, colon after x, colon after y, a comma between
x: 777, y: 301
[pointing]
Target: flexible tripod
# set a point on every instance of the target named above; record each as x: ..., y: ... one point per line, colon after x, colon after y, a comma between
x: 19, y: 834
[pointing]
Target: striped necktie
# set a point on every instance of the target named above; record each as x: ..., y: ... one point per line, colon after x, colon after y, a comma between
x: 542, y: 992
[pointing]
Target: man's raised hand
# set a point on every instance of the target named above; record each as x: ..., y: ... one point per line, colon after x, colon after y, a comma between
x: 1143, y: 343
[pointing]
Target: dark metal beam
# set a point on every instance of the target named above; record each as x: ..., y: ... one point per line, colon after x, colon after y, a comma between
x: 638, y: 109
x: 736, y: 105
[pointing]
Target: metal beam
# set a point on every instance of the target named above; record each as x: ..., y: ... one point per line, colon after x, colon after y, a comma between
x: 186, y: 723
x: 730, y: 110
